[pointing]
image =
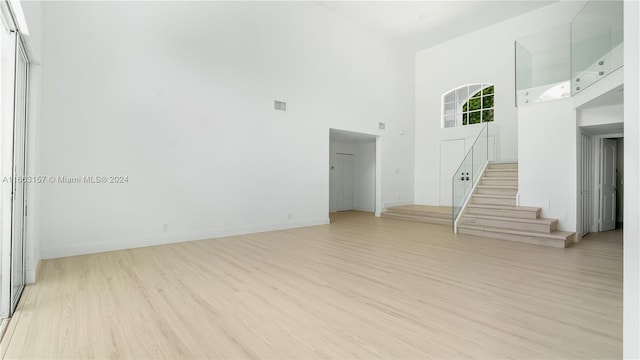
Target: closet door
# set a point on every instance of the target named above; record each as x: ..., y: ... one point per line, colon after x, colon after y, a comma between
x: 344, y: 182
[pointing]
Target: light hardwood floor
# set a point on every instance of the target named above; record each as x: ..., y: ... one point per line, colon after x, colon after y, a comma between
x: 362, y: 287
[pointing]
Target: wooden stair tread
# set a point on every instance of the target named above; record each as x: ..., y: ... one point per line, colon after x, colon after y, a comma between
x: 558, y: 234
x: 512, y: 219
x: 417, y: 210
x: 504, y: 207
x: 420, y: 213
x: 416, y: 218
x: 494, y: 196
x: 431, y: 215
x: 511, y: 187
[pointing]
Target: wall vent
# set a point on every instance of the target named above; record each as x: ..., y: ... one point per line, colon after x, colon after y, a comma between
x: 279, y: 105
x: 381, y: 125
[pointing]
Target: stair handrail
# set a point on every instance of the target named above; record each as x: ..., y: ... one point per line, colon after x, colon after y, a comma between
x: 470, y: 169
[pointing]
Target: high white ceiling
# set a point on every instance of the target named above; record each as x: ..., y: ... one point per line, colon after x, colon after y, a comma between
x: 421, y: 24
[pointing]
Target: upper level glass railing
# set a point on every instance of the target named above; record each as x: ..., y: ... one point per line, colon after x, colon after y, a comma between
x: 543, y: 66
x: 466, y: 177
x: 596, y: 43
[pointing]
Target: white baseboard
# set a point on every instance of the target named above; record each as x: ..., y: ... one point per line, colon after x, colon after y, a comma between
x: 123, y: 244
x: 32, y: 274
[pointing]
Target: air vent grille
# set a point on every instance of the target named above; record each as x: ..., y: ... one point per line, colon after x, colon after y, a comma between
x: 280, y: 105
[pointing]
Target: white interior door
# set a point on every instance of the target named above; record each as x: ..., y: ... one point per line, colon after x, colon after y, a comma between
x: 608, y: 185
x: 344, y: 198
x: 451, y: 156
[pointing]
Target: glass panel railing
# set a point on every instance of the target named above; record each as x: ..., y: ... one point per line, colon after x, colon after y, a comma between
x: 543, y: 66
x: 596, y: 43
x: 470, y: 170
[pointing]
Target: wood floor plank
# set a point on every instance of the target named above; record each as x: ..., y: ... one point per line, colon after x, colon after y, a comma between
x: 361, y: 287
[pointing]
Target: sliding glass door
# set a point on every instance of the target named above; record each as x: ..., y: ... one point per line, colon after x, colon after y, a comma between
x: 18, y: 206
x: 14, y: 80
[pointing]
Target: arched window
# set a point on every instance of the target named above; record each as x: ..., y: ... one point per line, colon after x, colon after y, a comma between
x: 468, y: 104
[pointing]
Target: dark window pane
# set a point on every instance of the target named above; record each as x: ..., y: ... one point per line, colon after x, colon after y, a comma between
x: 487, y: 102
x: 488, y: 90
x: 475, y: 104
x: 474, y: 117
x: 487, y: 115
x: 464, y: 119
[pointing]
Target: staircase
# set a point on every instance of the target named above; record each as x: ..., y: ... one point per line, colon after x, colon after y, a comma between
x: 421, y: 213
x: 492, y: 212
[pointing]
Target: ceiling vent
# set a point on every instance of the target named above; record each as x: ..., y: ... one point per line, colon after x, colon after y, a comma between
x: 280, y: 105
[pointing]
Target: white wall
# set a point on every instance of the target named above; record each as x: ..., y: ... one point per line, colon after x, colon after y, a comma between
x: 601, y: 115
x: 178, y: 96
x: 547, y: 169
x: 364, y: 168
x: 485, y: 56
x: 631, y: 307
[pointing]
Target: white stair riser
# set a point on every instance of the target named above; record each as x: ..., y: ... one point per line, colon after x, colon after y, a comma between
x: 492, y: 191
x: 513, y: 225
x: 493, y: 201
x: 506, y: 213
x: 518, y: 238
x: 499, y: 182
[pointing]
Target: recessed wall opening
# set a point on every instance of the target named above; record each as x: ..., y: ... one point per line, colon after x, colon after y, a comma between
x: 601, y: 178
x: 353, y: 169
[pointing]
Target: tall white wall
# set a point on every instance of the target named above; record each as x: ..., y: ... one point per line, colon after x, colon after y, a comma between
x: 364, y: 169
x: 485, y: 56
x: 178, y: 96
x: 631, y: 302
x: 547, y: 137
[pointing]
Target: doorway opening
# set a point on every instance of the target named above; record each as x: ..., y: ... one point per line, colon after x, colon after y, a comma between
x: 354, y: 164
x: 601, y: 178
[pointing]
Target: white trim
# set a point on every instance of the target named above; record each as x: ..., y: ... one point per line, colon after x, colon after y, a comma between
x: 124, y: 244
